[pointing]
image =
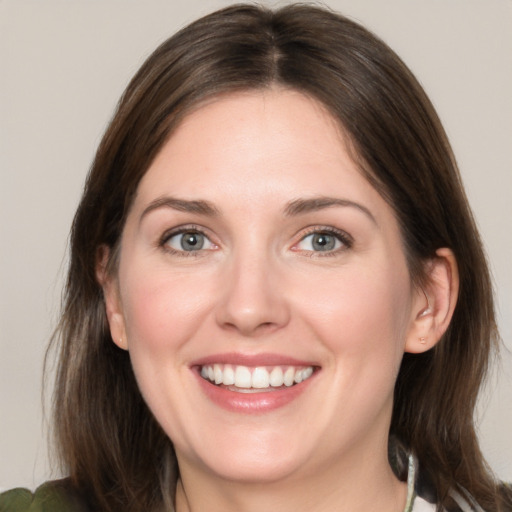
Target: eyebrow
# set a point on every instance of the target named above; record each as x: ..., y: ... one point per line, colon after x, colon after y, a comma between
x: 294, y: 208
x: 183, y: 205
x: 302, y: 206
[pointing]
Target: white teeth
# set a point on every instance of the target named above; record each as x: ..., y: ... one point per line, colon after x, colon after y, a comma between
x: 303, y: 374
x: 307, y: 372
x: 259, y: 377
x: 217, y: 373
x: 242, y: 377
x: 229, y: 375
x: 276, y: 377
x: 289, y: 376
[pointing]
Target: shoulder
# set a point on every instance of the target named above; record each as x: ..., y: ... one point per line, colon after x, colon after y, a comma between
x: 54, y: 496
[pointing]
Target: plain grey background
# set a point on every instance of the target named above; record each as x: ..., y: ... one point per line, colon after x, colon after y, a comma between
x: 64, y: 64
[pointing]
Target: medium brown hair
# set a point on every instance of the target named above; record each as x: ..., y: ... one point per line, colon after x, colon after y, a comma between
x: 110, y: 443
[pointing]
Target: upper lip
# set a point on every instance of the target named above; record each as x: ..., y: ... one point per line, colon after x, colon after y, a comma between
x: 252, y: 360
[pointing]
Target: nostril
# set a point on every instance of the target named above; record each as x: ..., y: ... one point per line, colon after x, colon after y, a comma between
x: 251, y: 329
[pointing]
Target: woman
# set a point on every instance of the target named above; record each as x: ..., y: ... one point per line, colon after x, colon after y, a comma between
x: 277, y: 296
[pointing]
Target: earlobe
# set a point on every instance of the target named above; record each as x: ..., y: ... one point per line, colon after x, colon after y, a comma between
x: 434, y: 305
x: 113, y: 307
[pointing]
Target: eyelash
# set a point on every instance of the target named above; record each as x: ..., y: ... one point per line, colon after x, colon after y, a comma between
x: 341, y: 236
x: 192, y: 229
x: 346, y: 240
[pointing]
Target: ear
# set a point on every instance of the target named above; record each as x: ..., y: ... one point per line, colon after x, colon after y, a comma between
x: 113, y: 305
x: 434, y: 305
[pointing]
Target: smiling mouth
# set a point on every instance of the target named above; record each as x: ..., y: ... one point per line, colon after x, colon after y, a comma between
x: 246, y: 379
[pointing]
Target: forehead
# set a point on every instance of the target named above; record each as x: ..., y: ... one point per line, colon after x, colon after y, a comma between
x: 254, y: 137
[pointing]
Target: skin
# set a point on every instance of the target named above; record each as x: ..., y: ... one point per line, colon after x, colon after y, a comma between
x: 259, y: 285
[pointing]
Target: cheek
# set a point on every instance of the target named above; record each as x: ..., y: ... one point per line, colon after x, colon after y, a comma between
x: 161, y: 314
x: 362, y: 315
x: 161, y: 310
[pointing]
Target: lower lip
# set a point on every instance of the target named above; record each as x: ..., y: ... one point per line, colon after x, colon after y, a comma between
x: 253, y: 402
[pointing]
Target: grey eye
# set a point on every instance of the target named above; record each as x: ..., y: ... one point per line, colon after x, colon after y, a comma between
x: 192, y: 241
x: 319, y: 242
x: 189, y: 241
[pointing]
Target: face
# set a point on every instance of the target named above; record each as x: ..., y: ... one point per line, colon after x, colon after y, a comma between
x: 262, y: 292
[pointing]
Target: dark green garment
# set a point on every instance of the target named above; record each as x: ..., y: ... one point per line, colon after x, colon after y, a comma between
x: 56, y: 496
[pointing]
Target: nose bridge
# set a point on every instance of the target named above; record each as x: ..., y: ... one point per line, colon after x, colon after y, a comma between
x: 252, y: 300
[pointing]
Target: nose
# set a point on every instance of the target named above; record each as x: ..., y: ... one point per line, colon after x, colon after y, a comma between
x: 253, y: 300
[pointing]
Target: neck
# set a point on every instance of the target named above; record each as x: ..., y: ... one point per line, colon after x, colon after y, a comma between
x: 362, y: 484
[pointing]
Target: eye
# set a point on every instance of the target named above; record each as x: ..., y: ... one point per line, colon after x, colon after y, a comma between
x: 323, y: 241
x: 188, y: 241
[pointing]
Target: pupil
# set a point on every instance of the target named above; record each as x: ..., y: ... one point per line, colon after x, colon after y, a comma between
x: 322, y: 242
x: 191, y: 241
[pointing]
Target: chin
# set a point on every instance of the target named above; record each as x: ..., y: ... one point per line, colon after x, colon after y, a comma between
x: 251, y: 458
x: 268, y: 471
